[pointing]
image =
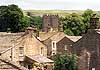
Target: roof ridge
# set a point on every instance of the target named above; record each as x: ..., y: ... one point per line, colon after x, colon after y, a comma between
x: 13, y: 45
x: 39, y: 40
x: 50, y: 36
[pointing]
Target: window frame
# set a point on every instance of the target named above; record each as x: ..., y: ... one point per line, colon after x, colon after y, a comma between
x: 54, y: 45
x: 21, y: 51
x: 41, y: 51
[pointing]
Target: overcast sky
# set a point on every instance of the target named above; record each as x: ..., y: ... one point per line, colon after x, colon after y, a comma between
x: 54, y: 4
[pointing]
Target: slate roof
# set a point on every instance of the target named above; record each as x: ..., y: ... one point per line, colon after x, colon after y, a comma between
x: 7, y: 39
x: 45, y: 35
x: 40, y: 59
x: 58, y: 36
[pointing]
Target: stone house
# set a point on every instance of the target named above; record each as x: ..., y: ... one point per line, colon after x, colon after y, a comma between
x: 23, y: 51
x: 88, y: 48
x: 57, y: 42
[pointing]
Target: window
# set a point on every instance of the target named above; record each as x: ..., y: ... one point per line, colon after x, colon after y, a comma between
x: 21, y: 51
x: 42, y: 51
x: 54, y: 45
x: 66, y: 47
x: 51, y: 29
x: 93, y: 68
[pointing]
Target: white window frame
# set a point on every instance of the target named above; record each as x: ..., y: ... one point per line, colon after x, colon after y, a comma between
x: 41, y: 51
x: 66, y: 47
x: 54, y: 45
x: 93, y: 68
x: 20, y: 51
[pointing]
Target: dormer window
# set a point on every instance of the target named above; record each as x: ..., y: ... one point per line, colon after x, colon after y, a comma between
x: 21, y: 51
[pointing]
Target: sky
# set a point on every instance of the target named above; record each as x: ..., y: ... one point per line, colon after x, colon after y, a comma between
x: 54, y: 4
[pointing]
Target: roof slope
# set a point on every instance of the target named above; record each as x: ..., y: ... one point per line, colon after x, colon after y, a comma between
x: 24, y: 39
x: 7, y: 39
x: 45, y: 35
x: 58, y: 36
x: 40, y: 59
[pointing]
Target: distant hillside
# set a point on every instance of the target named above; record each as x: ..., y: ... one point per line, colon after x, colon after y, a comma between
x: 56, y: 12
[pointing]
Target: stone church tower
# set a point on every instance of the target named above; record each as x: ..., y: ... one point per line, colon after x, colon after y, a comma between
x: 50, y: 23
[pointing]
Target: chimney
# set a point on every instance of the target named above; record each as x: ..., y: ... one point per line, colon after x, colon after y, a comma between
x: 94, y: 22
x: 29, y: 30
x: 32, y: 31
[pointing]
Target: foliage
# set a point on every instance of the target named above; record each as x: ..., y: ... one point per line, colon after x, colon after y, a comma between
x: 68, y: 32
x: 73, y: 24
x: 65, y: 62
x: 86, y: 18
x: 11, y: 17
x: 37, y: 22
x: 24, y: 23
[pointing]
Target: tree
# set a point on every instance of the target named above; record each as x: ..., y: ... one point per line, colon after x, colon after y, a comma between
x: 86, y: 18
x: 11, y: 17
x: 37, y: 21
x: 25, y: 22
x: 65, y: 62
x: 73, y: 24
x: 4, y: 18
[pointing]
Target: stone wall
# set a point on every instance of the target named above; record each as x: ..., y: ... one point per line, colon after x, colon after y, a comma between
x: 91, y: 43
x: 50, y: 22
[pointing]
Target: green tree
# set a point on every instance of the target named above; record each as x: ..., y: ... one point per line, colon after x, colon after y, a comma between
x: 73, y: 24
x: 86, y: 18
x: 11, y: 17
x: 37, y: 21
x: 4, y: 18
x: 65, y: 62
x: 25, y: 22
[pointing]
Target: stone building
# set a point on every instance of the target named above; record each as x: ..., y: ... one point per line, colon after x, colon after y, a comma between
x: 50, y: 23
x: 22, y: 51
x: 57, y: 42
x: 88, y: 48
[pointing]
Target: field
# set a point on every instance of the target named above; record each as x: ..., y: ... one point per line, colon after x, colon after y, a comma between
x: 54, y: 12
x: 62, y: 13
